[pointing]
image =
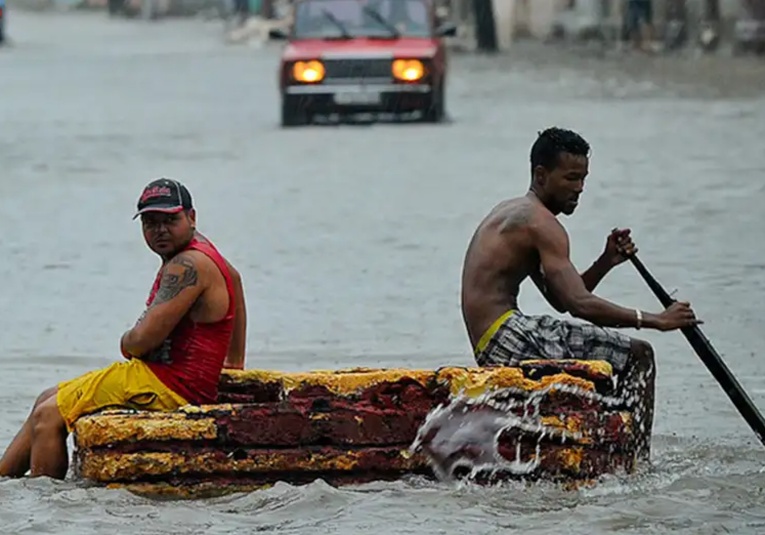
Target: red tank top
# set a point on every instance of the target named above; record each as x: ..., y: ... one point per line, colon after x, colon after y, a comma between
x: 197, y: 350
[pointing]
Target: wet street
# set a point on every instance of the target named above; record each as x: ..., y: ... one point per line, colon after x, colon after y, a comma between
x: 350, y: 241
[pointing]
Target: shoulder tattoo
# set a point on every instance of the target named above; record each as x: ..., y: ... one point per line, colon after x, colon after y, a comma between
x: 171, y: 284
x: 517, y: 216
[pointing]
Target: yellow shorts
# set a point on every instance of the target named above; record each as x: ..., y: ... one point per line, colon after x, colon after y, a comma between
x: 130, y: 384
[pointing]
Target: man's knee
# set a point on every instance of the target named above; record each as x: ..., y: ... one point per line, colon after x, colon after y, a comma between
x: 46, y: 394
x: 642, y: 353
x: 641, y: 349
x: 46, y: 417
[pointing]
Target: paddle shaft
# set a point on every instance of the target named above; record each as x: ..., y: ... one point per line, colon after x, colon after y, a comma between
x: 710, y: 358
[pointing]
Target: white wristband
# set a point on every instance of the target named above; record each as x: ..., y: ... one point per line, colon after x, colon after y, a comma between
x: 639, y: 315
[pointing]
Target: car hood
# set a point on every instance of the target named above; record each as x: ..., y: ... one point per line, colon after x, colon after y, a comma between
x: 360, y: 47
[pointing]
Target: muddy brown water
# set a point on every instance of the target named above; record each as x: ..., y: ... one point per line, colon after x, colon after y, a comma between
x: 350, y: 240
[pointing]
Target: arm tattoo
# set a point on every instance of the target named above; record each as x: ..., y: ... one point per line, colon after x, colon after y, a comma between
x: 171, y: 285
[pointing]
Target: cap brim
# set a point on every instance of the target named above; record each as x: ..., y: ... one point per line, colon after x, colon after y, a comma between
x: 162, y: 209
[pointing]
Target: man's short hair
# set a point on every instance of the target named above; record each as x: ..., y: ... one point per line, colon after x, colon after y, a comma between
x: 552, y: 142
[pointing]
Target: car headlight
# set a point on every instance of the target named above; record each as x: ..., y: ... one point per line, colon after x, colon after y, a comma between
x: 309, y: 72
x: 408, y: 70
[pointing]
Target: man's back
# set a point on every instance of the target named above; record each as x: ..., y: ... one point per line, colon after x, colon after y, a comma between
x: 500, y: 256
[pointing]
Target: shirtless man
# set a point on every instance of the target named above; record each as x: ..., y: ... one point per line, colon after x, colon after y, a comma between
x: 194, y: 325
x: 522, y: 238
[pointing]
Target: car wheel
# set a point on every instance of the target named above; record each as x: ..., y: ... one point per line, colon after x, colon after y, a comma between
x: 149, y: 10
x: 436, y: 111
x: 739, y: 48
x: 293, y: 114
x: 115, y: 7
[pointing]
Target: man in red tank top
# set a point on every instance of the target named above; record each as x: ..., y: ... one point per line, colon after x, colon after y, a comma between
x: 194, y: 325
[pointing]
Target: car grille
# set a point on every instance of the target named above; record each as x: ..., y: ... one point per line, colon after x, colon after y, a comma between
x: 339, y: 69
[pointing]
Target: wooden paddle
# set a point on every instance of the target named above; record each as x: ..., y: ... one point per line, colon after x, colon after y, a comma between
x: 709, y: 356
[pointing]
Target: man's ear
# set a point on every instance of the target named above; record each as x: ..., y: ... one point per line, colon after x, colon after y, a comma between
x: 540, y: 175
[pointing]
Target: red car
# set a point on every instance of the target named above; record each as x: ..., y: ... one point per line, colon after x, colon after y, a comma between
x: 350, y: 56
x: 2, y: 21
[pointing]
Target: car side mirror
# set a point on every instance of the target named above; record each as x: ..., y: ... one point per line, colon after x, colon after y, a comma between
x: 447, y: 29
x: 277, y: 33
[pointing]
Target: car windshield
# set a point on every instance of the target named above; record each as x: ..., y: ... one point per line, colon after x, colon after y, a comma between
x: 361, y: 18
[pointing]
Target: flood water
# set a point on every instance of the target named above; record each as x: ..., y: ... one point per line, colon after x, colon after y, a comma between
x: 350, y: 240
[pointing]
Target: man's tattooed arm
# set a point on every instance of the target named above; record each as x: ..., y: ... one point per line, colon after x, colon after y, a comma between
x: 181, y: 284
x: 174, y: 281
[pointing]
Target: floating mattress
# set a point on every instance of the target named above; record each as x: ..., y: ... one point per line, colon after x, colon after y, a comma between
x: 357, y: 425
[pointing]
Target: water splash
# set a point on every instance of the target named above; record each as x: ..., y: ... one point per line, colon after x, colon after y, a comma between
x: 465, y: 432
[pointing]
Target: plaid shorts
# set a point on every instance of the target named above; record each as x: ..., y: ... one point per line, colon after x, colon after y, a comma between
x: 521, y: 337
